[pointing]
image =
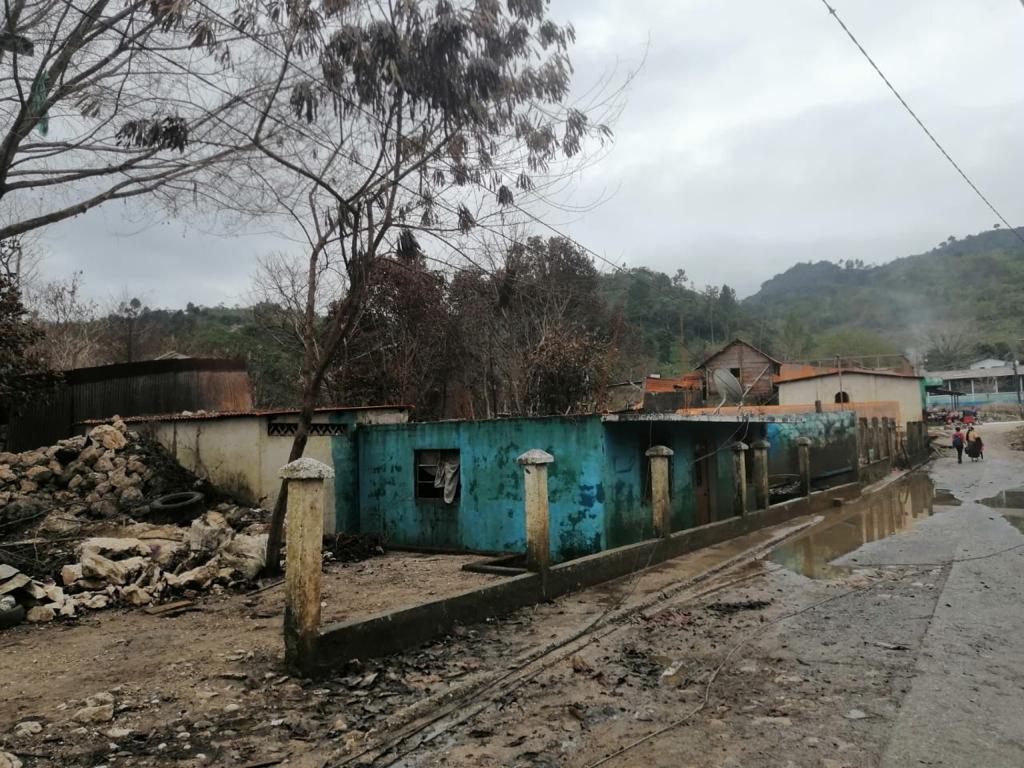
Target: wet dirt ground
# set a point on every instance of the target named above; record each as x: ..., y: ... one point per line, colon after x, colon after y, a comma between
x: 885, y: 633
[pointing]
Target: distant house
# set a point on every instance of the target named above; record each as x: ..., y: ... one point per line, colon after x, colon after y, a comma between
x: 989, y: 362
x: 855, y: 386
x: 754, y: 369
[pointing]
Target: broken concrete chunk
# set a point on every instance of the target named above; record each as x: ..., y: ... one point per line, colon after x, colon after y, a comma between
x: 96, y: 566
x: 7, y: 760
x: 197, y: 578
x: 96, y: 602
x: 131, y: 495
x: 39, y: 614
x: 113, y: 549
x: 69, y: 574
x: 134, y: 595
x: 16, y: 581
x: 115, y: 572
x: 89, y: 715
x: 39, y: 474
x: 54, y: 594
x: 246, y: 555
x: 109, y: 436
x: 35, y: 590
x: 28, y: 728
x: 31, y: 458
x: 209, y: 533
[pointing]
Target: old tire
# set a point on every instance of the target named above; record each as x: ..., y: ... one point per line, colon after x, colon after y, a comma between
x: 12, y: 616
x: 174, y: 507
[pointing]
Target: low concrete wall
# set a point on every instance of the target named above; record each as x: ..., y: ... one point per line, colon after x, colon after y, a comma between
x: 237, y: 455
x: 242, y: 455
x: 392, y: 632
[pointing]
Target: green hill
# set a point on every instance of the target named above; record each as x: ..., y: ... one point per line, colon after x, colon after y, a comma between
x: 972, y: 287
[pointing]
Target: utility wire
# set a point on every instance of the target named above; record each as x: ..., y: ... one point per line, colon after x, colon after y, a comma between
x: 978, y: 192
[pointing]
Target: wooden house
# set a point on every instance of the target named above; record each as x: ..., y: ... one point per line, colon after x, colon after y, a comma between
x: 754, y: 369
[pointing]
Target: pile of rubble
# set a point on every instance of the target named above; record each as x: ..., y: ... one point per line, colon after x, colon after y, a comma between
x: 83, y: 504
x: 99, y: 475
x: 144, y: 564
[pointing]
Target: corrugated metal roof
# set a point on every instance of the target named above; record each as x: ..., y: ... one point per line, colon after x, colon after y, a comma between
x: 195, y: 415
x: 835, y: 372
x: 972, y: 373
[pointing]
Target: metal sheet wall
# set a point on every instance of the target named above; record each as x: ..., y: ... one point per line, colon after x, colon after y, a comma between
x: 139, y: 389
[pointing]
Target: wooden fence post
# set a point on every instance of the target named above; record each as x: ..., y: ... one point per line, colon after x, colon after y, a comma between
x: 303, y: 560
x: 661, y: 502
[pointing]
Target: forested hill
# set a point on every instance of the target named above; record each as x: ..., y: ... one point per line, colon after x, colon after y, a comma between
x: 975, y: 284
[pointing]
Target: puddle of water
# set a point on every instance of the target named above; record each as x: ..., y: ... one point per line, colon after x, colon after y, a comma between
x: 943, y: 497
x: 1011, y: 498
x: 1011, y: 504
x: 892, y: 510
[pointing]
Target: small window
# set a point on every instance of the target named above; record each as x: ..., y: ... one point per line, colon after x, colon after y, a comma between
x: 437, y: 475
x: 735, y: 372
x: 842, y: 397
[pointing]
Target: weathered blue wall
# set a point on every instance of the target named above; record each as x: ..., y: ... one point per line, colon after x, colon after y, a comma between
x: 489, y: 516
x: 598, y: 483
x: 833, y: 436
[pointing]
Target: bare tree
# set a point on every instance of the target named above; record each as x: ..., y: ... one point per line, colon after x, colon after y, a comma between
x: 114, y: 99
x: 402, y: 129
x: 948, y: 346
x: 69, y: 321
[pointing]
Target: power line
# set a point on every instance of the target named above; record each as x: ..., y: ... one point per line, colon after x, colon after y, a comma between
x: 978, y: 192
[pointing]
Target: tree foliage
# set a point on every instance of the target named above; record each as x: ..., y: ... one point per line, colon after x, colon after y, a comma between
x: 118, y: 99
x: 23, y: 373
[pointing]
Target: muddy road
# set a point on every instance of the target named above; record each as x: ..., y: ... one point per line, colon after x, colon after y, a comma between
x: 885, y: 633
x: 890, y: 633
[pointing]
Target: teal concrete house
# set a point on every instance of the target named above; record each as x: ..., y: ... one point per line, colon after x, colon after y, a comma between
x: 455, y: 485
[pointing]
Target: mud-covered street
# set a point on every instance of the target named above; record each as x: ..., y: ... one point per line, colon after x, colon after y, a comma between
x: 904, y: 650
x: 884, y: 633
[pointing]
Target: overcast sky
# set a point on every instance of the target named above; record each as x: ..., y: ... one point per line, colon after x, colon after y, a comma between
x: 755, y: 136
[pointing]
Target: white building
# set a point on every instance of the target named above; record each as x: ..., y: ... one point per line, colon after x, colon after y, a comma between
x: 856, y: 386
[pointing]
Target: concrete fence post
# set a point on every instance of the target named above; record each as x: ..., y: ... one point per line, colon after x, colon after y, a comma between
x: 661, y: 501
x: 762, y: 497
x: 739, y: 468
x: 535, y: 475
x: 803, y: 451
x: 305, y: 521
x: 876, y: 437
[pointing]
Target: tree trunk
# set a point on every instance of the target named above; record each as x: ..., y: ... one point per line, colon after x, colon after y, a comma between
x: 274, y: 539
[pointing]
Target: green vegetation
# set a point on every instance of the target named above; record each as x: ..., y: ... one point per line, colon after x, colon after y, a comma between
x: 518, y: 338
x: 959, y: 301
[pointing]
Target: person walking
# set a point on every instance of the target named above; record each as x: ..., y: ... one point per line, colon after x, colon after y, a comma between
x: 958, y: 444
x: 974, y: 447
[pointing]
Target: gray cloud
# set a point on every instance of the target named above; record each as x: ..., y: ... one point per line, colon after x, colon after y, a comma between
x: 754, y: 137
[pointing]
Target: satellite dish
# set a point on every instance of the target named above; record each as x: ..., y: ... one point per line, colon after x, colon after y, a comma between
x: 728, y: 387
